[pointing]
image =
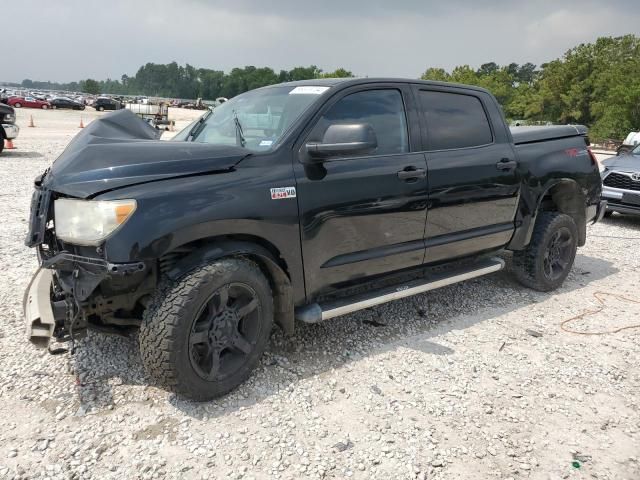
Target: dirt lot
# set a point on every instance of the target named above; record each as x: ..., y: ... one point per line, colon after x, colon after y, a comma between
x: 472, y: 381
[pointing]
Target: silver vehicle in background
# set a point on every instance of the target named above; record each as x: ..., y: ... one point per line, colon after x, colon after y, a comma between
x: 621, y: 182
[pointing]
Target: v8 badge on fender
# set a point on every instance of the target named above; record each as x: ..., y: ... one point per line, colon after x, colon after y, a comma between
x: 283, y: 192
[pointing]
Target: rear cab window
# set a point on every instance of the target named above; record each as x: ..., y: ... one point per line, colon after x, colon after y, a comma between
x: 454, y: 120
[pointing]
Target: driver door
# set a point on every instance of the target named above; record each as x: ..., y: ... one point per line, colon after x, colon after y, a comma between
x: 363, y: 215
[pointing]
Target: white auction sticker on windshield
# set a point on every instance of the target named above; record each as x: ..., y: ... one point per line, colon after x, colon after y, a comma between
x: 308, y: 90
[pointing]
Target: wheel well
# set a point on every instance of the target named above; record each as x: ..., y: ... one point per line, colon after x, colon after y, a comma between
x: 566, y: 197
x: 262, y: 252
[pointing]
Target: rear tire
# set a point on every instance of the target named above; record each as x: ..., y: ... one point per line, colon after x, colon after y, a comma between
x: 547, y: 260
x: 44, y: 107
x: 100, y: 109
x: 203, y: 334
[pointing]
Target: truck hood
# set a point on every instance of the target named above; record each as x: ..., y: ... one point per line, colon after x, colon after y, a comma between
x: 120, y: 150
x: 627, y: 163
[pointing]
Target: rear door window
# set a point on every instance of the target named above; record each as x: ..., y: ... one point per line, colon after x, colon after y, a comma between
x: 454, y: 120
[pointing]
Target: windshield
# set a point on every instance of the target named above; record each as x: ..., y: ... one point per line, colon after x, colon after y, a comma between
x: 256, y: 119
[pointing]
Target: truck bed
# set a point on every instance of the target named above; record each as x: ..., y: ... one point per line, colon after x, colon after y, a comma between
x: 542, y: 134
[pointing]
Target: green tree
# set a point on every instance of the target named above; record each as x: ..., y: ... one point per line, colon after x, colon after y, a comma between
x: 437, y: 74
x: 339, y: 73
x: 90, y: 86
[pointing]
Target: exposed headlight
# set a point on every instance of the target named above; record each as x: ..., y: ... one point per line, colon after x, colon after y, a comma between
x: 89, y: 222
x: 10, y: 117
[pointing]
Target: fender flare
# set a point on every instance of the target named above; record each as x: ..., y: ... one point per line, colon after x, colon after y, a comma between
x: 278, y: 278
x: 529, y: 222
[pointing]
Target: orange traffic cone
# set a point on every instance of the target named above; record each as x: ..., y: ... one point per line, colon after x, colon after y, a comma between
x: 81, y: 124
x: 8, y: 145
x: 31, y: 124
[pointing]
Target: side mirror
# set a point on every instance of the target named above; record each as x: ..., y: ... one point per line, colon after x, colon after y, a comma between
x: 344, y: 139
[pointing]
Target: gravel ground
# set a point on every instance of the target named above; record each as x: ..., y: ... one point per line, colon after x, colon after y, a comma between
x: 472, y: 381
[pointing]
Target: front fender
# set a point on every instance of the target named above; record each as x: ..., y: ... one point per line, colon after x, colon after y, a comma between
x: 192, y: 211
x: 280, y: 282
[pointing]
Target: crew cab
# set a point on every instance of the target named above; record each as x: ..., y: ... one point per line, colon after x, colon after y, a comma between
x: 8, y: 128
x: 297, y: 202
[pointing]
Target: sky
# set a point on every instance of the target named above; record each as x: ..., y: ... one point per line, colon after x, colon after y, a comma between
x: 68, y: 40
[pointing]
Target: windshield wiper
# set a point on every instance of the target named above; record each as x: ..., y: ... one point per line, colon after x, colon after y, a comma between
x: 198, y: 126
x: 239, y: 133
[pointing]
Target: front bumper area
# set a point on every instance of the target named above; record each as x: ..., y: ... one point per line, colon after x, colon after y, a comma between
x: 615, y: 198
x: 67, y: 292
x: 37, y: 307
x: 10, y: 130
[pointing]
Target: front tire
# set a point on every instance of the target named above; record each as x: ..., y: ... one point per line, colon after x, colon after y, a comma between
x: 44, y: 107
x: 203, y: 334
x: 547, y: 260
x: 100, y: 109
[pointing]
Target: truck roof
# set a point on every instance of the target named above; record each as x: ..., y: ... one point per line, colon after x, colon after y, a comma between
x: 331, y: 82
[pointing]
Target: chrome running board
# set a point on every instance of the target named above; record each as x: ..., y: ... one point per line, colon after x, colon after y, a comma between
x: 315, y: 312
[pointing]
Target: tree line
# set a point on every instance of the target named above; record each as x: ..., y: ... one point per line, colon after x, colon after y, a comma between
x: 595, y: 84
x: 175, y: 81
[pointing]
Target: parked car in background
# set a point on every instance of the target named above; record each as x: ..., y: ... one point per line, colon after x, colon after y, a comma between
x: 63, y: 102
x: 629, y: 143
x: 621, y: 182
x: 104, y: 103
x: 8, y: 128
x: 29, y: 102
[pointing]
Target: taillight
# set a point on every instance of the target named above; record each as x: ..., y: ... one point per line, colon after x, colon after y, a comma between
x: 594, y: 160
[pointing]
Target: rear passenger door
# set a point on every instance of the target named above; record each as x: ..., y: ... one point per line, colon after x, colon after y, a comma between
x: 473, y: 184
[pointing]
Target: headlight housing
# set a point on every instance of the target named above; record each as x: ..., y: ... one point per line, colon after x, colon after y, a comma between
x: 10, y: 117
x: 90, y: 222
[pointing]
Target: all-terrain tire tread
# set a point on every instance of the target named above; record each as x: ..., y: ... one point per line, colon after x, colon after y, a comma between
x: 525, y: 261
x: 161, y: 319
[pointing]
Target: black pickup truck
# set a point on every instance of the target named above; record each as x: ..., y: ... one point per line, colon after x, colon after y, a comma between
x: 295, y: 202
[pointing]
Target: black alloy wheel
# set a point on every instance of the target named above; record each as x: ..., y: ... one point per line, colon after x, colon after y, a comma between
x: 224, y: 332
x: 558, y: 254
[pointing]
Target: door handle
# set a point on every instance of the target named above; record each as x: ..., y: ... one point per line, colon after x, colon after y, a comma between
x: 506, y: 164
x: 412, y: 173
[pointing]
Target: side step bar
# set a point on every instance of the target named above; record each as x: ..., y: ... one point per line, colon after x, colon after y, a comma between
x: 315, y: 312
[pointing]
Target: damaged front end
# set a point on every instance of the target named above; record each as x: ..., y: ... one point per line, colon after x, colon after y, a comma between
x: 76, y: 288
